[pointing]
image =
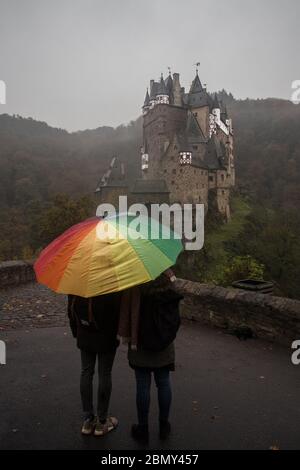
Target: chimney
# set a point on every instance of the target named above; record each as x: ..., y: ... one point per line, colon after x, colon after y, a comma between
x: 176, y: 90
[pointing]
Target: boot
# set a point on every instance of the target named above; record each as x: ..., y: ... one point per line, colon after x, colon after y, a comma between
x: 164, y: 429
x: 140, y: 433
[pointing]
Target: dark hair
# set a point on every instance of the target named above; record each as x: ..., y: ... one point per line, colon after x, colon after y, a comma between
x: 159, y: 284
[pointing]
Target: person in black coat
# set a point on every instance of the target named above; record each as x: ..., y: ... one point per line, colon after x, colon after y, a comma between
x: 94, y: 323
x: 159, y: 321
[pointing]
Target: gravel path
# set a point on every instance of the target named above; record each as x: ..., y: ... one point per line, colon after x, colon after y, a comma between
x: 31, y: 306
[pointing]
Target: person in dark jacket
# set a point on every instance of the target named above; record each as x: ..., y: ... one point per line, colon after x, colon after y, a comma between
x: 158, y: 296
x: 94, y: 323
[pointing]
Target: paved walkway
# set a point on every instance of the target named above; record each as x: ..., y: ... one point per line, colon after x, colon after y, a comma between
x: 227, y: 394
x: 30, y: 306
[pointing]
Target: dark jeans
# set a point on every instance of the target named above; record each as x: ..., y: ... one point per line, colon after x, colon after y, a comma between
x: 164, y: 393
x: 105, y: 364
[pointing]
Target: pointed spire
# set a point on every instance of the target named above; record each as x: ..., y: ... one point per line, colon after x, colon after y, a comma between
x: 162, y: 90
x: 153, y: 90
x: 196, y: 85
x: 147, y: 99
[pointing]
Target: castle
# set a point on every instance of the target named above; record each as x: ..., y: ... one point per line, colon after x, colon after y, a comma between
x: 187, y: 154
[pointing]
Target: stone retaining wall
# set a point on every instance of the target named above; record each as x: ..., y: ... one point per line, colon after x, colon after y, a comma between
x: 13, y: 273
x: 269, y: 317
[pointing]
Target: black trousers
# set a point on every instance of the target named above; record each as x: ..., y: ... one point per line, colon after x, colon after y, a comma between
x: 143, y: 386
x: 105, y: 364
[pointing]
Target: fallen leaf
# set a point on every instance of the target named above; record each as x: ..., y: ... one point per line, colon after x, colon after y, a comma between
x: 274, y: 447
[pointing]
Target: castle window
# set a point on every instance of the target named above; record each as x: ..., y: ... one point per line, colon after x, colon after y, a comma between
x: 195, y: 147
x: 211, y: 178
x: 222, y: 176
x: 185, y: 158
x: 172, y: 182
x: 175, y: 147
x: 162, y: 99
x: 165, y: 171
x: 145, y: 161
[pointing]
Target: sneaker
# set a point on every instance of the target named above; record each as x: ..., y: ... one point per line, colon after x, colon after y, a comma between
x: 88, y: 426
x: 164, y: 429
x: 103, y: 428
x: 140, y: 433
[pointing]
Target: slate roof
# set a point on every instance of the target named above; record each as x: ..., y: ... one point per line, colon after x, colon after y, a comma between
x: 115, y: 176
x: 150, y: 186
x: 153, y: 91
x: 161, y: 89
x: 197, y: 100
x: 169, y: 84
x: 214, y: 154
x: 147, y: 99
x: 196, y: 86
x: 193, y: 130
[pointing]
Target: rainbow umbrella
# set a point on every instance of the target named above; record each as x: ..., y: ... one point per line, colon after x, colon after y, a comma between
x: 102, y: 255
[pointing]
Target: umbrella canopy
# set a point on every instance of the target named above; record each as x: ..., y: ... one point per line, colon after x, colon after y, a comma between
x: 102, y: 255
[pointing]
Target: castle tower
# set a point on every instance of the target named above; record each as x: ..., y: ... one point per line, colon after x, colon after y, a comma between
x: 162, y: 96
x: 200, y: 103
x: 163, y: 118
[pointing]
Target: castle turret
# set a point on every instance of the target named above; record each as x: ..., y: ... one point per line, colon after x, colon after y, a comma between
x: 162, y: 96
x: 196, y: 86
x: 200, y: 102
x: 169, y: 87
x: 153, y: 91
x: 146, y: 105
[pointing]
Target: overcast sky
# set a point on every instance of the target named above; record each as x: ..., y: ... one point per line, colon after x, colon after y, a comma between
x: 81, y: 64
